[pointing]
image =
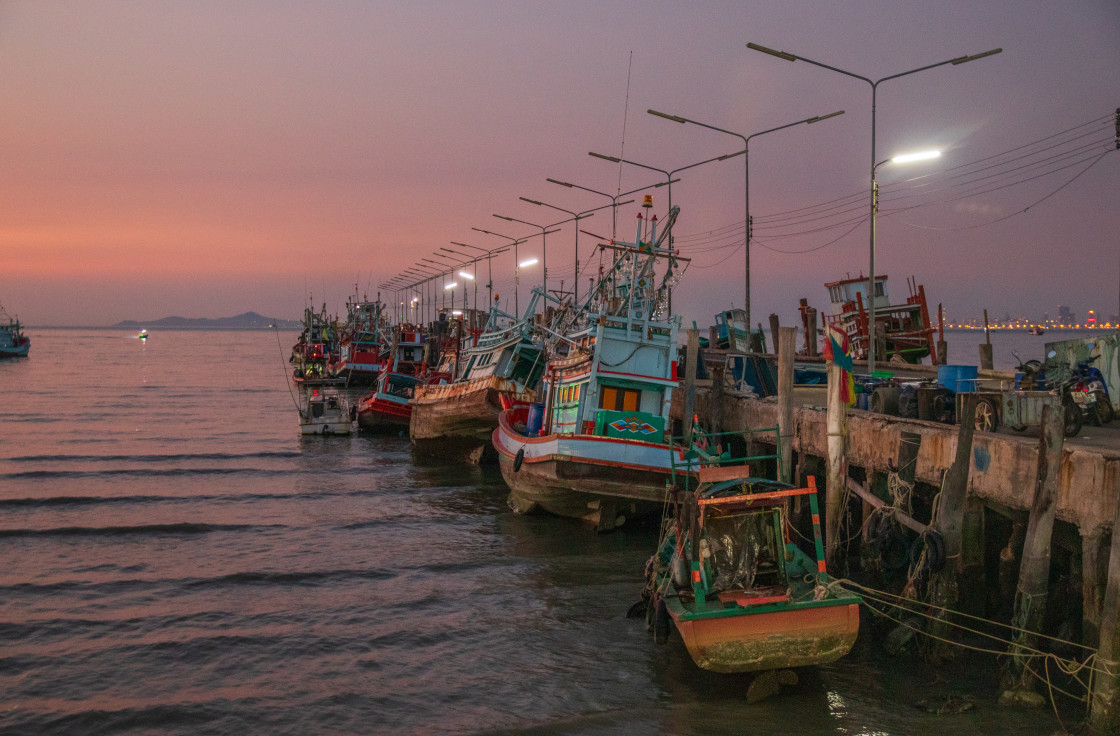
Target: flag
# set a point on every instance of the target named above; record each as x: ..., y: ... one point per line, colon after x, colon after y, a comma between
x: 838, y: 349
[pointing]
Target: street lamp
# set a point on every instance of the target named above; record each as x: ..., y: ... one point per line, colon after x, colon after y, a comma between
x: 516, y: 242
x: 668, y: 181
x: 489, y: 273
x: 576, y: 216
x: 544, y: 246
x: 874, y: 90
x: 746, y: 190
x: 613, y: 198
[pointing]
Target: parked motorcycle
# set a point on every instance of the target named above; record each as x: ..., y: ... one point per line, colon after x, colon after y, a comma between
x: 1091, y: 393
x: 1058, y: 378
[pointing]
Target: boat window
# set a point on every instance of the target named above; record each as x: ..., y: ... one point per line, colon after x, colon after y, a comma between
x: 619, y: 399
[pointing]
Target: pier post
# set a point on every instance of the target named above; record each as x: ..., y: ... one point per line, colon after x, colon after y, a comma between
x: 786, y: 337
x: 774, y: 325
x: 1104, y: 714
x: 691, y: 353
x: 1094, y: 577
x: 946, y: 587
x: 811, y: 333
x: 1034, y: 573
x: 986, y: 346
x: 837, y: 430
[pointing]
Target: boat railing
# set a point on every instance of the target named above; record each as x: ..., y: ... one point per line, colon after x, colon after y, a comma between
x: 703, y: 451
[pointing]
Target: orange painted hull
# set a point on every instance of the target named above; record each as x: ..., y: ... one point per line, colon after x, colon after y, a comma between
x: 795, y: 636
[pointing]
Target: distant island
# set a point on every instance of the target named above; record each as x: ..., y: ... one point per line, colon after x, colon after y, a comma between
x: 247, y: 321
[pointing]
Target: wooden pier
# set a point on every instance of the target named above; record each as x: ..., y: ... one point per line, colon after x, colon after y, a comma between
x: 1026, y: 505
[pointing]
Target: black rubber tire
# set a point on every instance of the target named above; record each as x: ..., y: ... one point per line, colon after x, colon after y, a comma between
x: 884, y: 400
x: 1105, y: 411
x: 987, y: 416
x: 518, y: 459
x: 1073, y: 417
x: 934, y: 546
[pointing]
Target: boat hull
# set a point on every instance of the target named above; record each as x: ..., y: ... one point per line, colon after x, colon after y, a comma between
x: 774, y: 637
x: 326, y: 428
x: 19, y: 351
x: 380, y: 415
x: 458, y: 419
x: 597, y: 479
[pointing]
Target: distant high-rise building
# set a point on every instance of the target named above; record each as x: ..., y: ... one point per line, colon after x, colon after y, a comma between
x: 1065, y: 315
x: 1091, y: 318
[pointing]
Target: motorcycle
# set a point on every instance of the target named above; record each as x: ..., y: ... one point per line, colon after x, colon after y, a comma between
x: 1091, y: 393
x: 1056, y: 378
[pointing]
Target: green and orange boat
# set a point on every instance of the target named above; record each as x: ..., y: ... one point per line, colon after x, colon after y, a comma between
x: 735, y: 582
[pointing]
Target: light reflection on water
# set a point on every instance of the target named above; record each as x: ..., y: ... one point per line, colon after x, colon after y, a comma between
x: 178, y: 560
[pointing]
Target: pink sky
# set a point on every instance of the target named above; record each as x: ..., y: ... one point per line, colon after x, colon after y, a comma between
x: 203, y: 159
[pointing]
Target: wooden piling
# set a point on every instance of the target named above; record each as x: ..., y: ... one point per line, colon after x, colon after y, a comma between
x: 811, y: 333
x: 946, y: 585
x: 786, y: 337
x: 942, y: 346
x: 1034, y: 572
x: 691, y: 355
x: 986, y: 346
x: 1104, y: 714
x: 774, y: 325
x: 837, y: 430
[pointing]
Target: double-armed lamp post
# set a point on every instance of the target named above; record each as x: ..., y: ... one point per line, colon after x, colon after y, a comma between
x: 746, y: 189
x: 874, y: 89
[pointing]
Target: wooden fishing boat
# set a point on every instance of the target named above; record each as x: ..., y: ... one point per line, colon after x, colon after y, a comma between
x: 363, y: 341
x: 498, y: 370
x: 596, y: 447
x: 904, y: 329
x: 733, y: 580
x: 386, y: 408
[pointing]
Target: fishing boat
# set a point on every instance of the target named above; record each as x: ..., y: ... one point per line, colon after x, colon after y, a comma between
x: 1036, y: 330
x: 904, y: 329
x: 362, y: 340
x: 735, y: 583
x: 386, y: 407
x: 324, y: 409
x: 315, y: 353
x: 13, y: 343
x: 497, y: 370
x: 596, y: 447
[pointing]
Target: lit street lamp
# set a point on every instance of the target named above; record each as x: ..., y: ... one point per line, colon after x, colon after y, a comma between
x: 874, y: 89
x: 516, y: 242
x: 489, y: 273
x: 544, y: 247
x: 746, y: 190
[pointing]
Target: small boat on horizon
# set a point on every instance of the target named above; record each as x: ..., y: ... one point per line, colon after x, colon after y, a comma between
x: 1036, y: 330
x: 13, y: 343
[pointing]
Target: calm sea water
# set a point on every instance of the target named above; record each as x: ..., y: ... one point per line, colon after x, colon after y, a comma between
x: 177, y: 560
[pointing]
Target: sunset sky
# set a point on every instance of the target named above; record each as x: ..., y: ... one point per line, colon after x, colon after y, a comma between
x: 207, y: 158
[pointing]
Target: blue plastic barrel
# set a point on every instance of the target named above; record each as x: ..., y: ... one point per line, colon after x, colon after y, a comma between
x: 959, y: 378
x: 536, y: 420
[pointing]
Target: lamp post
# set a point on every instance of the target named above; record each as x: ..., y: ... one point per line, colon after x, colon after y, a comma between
x: 544, y: 247
x: 576, y: 217
x: 669, y: 181
x: 516, y: 242
x: 874, y: 90
x: 746, y: 189
x: 489, y: 273
x: 613, y: 198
